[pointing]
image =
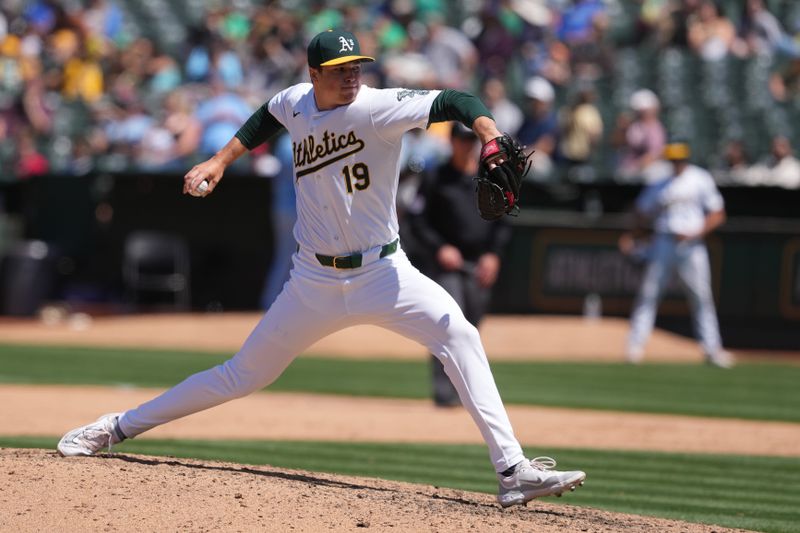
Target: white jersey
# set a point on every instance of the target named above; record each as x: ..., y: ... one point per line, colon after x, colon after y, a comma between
x: 346, y: 163
x: 346, y: 173
x: 679, y: 205
x: 346, y: 166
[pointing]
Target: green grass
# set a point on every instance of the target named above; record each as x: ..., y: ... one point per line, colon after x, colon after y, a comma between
x: 750, y: 391
x: 759, y: 493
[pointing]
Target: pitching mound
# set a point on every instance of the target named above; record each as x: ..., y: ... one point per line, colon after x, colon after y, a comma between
x: 41, y: 491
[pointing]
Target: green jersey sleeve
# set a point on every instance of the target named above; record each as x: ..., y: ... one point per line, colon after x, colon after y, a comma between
x: 457, y: 105
x: 260, y: 127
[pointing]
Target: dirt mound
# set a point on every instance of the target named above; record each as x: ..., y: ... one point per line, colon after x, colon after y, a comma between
x: 43, y: 492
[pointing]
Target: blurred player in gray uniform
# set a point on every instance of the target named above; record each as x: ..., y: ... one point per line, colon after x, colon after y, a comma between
x: 679, y: 211
x: 349, y: 268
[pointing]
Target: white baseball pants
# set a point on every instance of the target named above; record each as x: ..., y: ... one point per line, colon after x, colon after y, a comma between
x: 317, y: 301
x: 690, y: 260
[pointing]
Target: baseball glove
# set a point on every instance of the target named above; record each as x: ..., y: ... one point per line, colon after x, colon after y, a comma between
x: 497, y: 188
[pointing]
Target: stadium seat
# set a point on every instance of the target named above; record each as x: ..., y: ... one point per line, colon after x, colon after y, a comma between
x: 157, y: 262
x: 28, y: 277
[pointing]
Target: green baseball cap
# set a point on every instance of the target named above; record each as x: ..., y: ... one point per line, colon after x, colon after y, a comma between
x: 334, y: 47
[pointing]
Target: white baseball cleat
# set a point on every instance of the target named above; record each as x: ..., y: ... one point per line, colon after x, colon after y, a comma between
x: 91, y: 438
x: 536, y: 479
x: 634, y: 355
x: 720, y: 359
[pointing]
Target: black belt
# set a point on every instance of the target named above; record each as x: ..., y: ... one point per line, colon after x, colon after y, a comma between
x: 353, y: 261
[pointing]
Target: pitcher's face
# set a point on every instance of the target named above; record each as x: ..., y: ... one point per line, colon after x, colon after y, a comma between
x: 336, y: 85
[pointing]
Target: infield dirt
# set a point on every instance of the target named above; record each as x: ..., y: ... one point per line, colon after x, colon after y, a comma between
x: 44, y: 492
x: 40, y: 491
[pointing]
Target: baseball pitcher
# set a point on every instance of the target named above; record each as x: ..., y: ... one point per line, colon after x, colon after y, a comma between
x: 349, y: 267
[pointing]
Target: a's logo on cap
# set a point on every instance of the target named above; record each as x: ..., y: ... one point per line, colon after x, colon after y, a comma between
x: 347, y: 44
x: 331, y: 48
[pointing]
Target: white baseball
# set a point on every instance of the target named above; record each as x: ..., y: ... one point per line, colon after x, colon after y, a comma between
x: 200, y: 190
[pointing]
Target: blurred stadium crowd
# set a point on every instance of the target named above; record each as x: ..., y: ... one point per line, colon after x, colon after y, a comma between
x: 594, y: 86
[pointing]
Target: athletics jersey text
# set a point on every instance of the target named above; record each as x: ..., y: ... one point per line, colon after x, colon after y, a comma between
x: 309, y: 151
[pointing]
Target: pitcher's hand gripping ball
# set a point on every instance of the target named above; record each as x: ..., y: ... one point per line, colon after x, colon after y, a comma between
x: 503, y: 165
x: 200, y: 190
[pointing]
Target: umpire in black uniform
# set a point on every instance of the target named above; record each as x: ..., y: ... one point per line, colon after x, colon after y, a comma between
x: 464, y: 250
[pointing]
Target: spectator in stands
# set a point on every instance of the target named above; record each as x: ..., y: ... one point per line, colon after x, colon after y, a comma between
x: 781, y: 168
x: 711, y: 35
x: 507, y: 114
x: 62, y: 45
x: 409, y: 66
x: 735, y: 167
x: 495, y: 43
x: 31, y: 61
x: 784, y: 84
x: 593, y: 57
x: 388, y: 33
x: 640, y: 141
x: 226, y: 65
x: 323, y: 17
x: 234, y: 25
x: 182, y: 125
x: 170, y: 143
x: 134, y: 61
x: 41, y: 15
x: 581, y: 128
x: 539, y: 130
x: 11, y: 79
x: 30, y: 161
x: 38, y: 108
x: 761, y: 33
x: 557, y: 68
x: 163, y: 73
x: 674, y: 25
x: 154, y: 152
x: 578, y: 21
x: 104, y: 20
x: 537, y: 15
x: 126, y: 129
x: 83, y: 77
x: 270, y: 64
x: 84, y: 49
x: 653, y: 23
x: 220, y: 115
x: 452, y: 54
x: 197, y: 64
